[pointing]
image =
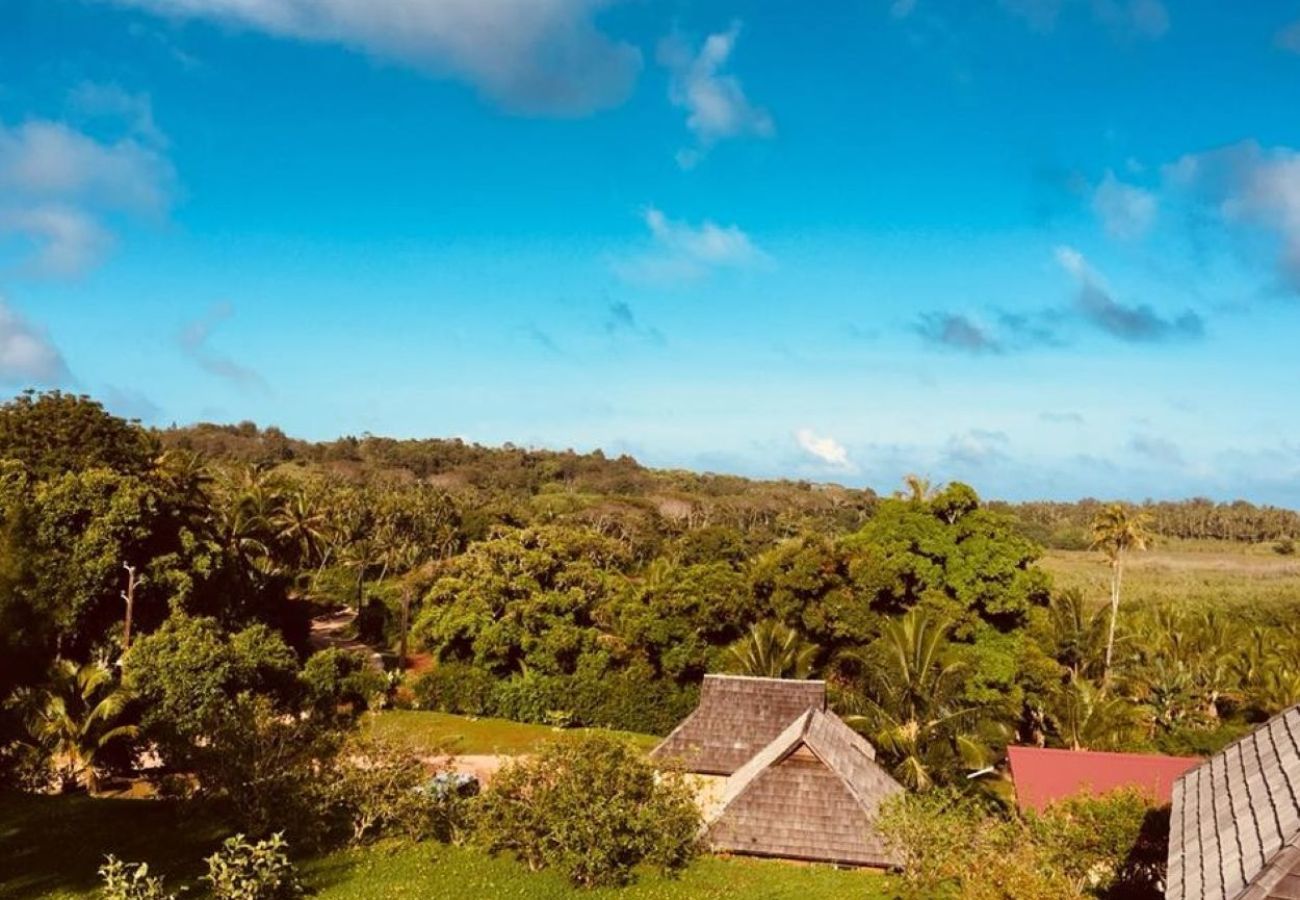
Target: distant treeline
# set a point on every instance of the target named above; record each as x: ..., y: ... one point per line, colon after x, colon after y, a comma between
x: 1065, y: 525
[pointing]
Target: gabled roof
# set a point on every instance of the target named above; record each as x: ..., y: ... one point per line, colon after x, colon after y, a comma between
x: 812, y: 793
x: 1044, y: 776
x: 1234, y: 829
x: 736, y: 717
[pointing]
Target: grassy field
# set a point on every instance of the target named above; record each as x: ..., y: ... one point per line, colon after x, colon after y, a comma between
x: 434, y: 732
x: 1190, y: 572
x: 51, y: 847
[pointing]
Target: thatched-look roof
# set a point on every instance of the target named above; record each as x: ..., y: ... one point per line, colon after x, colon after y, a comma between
x: 1234, y: 829
x: 811, y: 794
x: 737, y: 716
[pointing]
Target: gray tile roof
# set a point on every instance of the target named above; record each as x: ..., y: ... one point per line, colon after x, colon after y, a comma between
x: 737, y: 716
x: 1234, y: 829
x: 811, y: 794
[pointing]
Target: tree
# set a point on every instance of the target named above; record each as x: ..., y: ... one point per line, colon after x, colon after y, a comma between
x: 914, y: 712
x: 1116, y: 531
x: 1086, y: 718
x: 53, y: 432
x: 73, y: 718
x: 772, y: 650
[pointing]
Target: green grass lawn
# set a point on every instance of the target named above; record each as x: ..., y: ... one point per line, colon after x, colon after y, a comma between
x: 435, y: 732
x: 52, y: 846
x: 1192, y: 572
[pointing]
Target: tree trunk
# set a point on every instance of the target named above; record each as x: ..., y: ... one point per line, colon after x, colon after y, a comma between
x: 1117, y: 573
x: 406, y: 619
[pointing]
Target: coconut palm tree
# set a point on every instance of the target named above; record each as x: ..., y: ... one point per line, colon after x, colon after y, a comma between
x: 912, y: 708
x: 1079, y: 633
x: 1116, y: 531
x: 771, y: 649
x: 73, y: 717
x: 1087, y: 719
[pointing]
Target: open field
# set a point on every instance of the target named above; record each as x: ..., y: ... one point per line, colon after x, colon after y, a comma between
x: 435, y: 732
x: 51, y: 847
x: 1191, y: 572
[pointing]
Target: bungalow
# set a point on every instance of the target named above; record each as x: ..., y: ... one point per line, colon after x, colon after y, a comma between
x: 1234, y: 829
x: 780, y: 775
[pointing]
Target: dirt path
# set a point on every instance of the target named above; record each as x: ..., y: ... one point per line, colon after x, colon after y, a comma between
x: 332, y: 630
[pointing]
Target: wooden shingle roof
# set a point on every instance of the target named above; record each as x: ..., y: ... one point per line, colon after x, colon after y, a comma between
x: 1234, y: 830
x: 811, y: 794
x: 737, y: 716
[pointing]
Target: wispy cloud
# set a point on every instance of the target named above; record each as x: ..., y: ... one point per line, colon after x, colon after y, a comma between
x: 714, y: 100
x: 956, y: 331
x: 1126, y: 211
x: 27, y: 356
x: 621, y: 320
x: 976, y: 447
x: 1136, y: 324
x: 529, y: 56
x: 1058, y: 417
x: 59, y: 185
x: 1156, y: 449
x: 823, y: 448
x: 1125, y: 18
x: 195, y: 342
x: 685, y: 252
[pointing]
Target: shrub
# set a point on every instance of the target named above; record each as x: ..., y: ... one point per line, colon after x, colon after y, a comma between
x: 1111, y: 843
x: 1285, y: 547
x: 953, y: 847
x: 381, y: 787
x: 337, y: 678
x: 591, y: 808
x: 456, y: 688
x: 130, y: 881
x: 241, y: 870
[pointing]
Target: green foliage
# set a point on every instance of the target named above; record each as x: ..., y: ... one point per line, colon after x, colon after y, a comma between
x: 591, y: 808
x: 1107, y: 845
x: 186, y: 673
x: 130, y: 881
x: 243, y: 870
x: 952, y: 847
x: 456, y: 688
x: 335, y: 678
x: 72, y: 719
x: 51, y: 433
x: 772, y: 650
x: 379, y: 788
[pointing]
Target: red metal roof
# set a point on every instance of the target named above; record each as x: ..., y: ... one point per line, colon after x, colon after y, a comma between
x: 1044, y: 776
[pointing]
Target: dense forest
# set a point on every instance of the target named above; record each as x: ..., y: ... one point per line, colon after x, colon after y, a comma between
x: 157, y: 589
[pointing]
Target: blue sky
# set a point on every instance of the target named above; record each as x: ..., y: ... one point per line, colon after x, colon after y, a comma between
x: 1049, y: 247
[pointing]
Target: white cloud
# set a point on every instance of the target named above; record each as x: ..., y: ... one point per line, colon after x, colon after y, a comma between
x: 1127, y: 18
x: 976, y: 447
x: 823, y: 448
x: 1126, y: 211
x: 1252, y: 191
x: 535, y: 56
x: 58, y: 184
x: 26, y: 354
x: 686, y: 252
x: 715, y: 102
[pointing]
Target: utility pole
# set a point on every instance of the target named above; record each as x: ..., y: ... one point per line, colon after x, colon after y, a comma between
x: 129, y: 596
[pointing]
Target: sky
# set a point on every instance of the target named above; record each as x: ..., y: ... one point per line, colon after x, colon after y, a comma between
x: 1050, y: 248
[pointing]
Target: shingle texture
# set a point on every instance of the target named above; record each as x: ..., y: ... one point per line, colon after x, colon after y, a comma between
x: 811, y: 794
x: 737, y: 716
x: 1235, y: 820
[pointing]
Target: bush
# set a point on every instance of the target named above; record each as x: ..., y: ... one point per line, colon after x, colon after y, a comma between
x: 1109, y: 845
x: 130, y: 881
x: 456, y: 688
x: 382, y: 788
x: 333, y: 679
x: 245, y: 871
x: 592, y: 808
x: 952, y: 847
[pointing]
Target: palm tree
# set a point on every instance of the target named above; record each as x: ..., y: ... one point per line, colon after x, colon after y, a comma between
x: 1079, y: 634
x: 1116, y: 531
x: 73, y: 717
x: 913, y: 709
x: 1087, y: 719
x: 771, y: 649
x: 916, y: 489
